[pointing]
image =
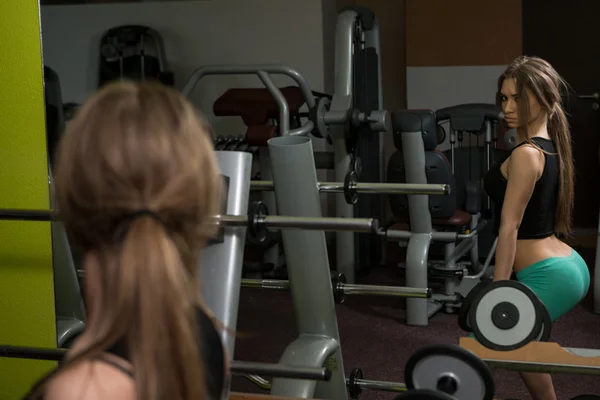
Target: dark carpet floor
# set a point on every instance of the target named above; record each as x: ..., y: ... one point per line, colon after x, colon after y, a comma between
x: 375, y: 338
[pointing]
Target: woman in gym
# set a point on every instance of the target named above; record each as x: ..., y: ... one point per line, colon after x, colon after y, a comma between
x: 533, y: 194
x: 137, y: 183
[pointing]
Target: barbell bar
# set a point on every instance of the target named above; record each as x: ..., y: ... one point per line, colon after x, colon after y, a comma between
x: 341, y: 289
x: 355, y: 383
x: 236, y: 367
x: 366, y: 187
x: 260, y: 220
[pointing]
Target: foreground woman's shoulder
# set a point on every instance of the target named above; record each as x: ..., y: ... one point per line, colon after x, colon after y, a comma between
x: 91, y: 380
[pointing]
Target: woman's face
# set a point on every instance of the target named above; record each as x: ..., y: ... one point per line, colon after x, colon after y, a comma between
x: 510, y: 104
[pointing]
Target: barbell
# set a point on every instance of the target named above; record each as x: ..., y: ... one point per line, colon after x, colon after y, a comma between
x: 341, y: 289
x: 258, y: 221
x: 236, y: 367
x: 351, y: 188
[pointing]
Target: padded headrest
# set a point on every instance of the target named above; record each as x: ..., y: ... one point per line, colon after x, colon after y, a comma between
x: 415, y: 121
x: 470, y: 117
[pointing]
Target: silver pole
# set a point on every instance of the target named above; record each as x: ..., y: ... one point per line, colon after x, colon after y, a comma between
x: 309, y: 223
x: 279, y: 370
x: 367, y: 187
x: 380, y: 385
x: 362, y: 383
x: 347, y: 288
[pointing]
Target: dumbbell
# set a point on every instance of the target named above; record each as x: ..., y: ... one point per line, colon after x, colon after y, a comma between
x: 499, y: 315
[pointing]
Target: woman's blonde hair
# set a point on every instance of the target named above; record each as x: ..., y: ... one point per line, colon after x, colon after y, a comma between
x: 135, y: 147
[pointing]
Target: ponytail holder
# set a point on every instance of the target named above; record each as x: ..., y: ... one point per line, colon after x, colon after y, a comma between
x: 143, y: 212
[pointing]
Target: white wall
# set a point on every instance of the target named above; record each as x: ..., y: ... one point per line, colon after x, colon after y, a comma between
x: 196, y: 33
x: 439, y: 87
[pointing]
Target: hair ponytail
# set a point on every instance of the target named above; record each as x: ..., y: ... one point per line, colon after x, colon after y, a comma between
x: 159, y: 293
x: 558, y: 128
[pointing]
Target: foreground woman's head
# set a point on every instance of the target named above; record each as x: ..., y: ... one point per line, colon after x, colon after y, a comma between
x: 137, y: 182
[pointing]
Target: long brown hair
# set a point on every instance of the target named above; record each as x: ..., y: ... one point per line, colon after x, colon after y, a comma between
x: 537, y: 76
x: 142, y: 147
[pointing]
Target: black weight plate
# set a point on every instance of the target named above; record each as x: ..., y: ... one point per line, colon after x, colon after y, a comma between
x: 546, y: 330
x: 586, y: 397
x: 463, y: 312
x: 353, y: 388
x: 424, y: 394
x: 494, y: 337
x: 257, y: 211
x: 428, y: 367
x: 350, y: 182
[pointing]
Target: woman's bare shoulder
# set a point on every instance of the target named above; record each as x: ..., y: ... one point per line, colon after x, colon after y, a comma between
x: 91, y: 380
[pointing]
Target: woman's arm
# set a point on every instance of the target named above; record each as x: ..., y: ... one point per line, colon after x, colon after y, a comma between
x: 525, y: 166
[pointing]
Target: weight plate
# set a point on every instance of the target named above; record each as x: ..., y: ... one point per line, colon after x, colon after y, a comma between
x: 450, y: 369
x: 350, y: 182
x: 337, y: 284
x: 586, y: 397
x: 501, y: 327
x: 257, y: 211
x: 546, y: 329
x: 353, y: 387
x: 424, y: 394
x: 465, y: 307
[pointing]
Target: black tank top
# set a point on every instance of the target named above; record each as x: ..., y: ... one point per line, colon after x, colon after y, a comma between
x: 212, y: 354
x: 540, y: 214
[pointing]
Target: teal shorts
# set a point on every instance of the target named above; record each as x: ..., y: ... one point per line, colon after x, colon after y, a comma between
x: 559, y: 282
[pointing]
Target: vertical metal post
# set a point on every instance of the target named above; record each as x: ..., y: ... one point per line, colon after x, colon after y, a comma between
x: 417, y: 251
x: 272, y: 253
x: 220, y: 269
x: 342, y: 101
x: 372, y: 40
x: 297, y: 194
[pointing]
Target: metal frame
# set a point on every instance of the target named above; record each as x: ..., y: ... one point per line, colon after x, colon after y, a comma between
x: 318, y: 341
x: 342, y: 101
x: 220, y: 268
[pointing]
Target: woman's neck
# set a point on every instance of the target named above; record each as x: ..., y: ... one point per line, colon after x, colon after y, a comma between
x: 537, y: 128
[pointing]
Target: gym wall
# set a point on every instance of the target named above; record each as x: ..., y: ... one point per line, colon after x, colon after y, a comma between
x: 26, y: 275
x: 456, y: 50
x: 195, y: 33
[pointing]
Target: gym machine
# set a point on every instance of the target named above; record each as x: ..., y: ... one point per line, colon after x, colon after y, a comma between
x: 358, y: 141
x: 417, y: 162
x: 351, y: 120
x: 512, y: 327
x: 470, y: 163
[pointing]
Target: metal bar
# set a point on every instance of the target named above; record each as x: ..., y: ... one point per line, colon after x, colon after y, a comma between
x: 284, y: 109
x: 259, y: 381
x: 271, y: 221
x: 367, y: 187
x: 32, y: 353
x: 236, y: 368
x: 541, y: 367
x: 380, y: 385
x: 201, y: 72
x: 378, y: 290
x: 347, y: 288
x: 280, y: 371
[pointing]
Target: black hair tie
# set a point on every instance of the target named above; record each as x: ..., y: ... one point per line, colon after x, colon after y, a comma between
x: 143, y: 212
